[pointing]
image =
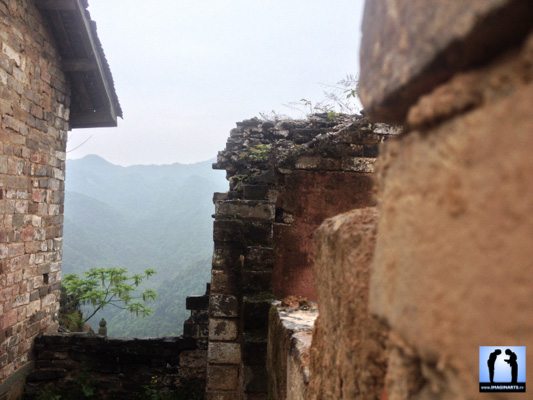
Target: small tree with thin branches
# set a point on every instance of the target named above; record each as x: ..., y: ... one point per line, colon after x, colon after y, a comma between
x: 101, y: 287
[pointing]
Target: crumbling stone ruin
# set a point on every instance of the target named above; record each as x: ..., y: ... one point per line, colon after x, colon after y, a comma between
x: 352, y: 259
x: 285, y: 178
x: 67, y: 364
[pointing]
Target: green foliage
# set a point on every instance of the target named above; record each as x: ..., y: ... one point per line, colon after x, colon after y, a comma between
x: 259, y: 152
x: 81, y: 387
x: 100, y: 287
x: 85, y: 385
x: 70, y: 315
x: 48, y: 393
x: 72, y: 321
x: 331, y: 115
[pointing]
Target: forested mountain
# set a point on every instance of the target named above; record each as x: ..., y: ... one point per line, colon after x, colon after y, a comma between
x: 136, y: 217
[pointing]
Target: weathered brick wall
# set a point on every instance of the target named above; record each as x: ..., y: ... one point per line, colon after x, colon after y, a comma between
x: 285, y: 177
x: 75, y: 365
x: 452, y: 268
x: 34, y: 111
x: 72, y: 365
x: 307, y: 197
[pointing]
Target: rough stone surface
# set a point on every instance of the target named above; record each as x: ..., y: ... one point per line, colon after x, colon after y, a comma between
x: 224, y: 353
x: 309, y: 198
x: 410, y: 47
x: 222, y: 377
x: 34, y: 113
x: 348, y: 352
x: 454, y: 253
x: 289, y: 339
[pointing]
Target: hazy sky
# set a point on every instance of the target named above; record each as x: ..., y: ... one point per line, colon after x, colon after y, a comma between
x: 186, y: 70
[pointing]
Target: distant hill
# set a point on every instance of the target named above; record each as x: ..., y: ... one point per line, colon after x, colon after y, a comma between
x: 137, y: 217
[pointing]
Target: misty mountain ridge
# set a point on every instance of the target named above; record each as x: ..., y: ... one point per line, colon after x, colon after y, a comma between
x: 138, y: 217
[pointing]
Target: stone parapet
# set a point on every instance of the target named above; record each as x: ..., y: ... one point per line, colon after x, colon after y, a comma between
x: 289, y: 340
x: 74, y: 365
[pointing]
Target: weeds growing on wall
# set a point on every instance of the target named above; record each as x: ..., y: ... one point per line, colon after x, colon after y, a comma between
x: 339, y: 98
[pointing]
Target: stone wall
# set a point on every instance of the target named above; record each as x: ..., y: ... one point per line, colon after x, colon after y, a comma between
x: 308, y: 197
x: 290, y: 330
x: 452, y: 267
x: 285, y: 178
x: 348, y: 352
x: 34, y: 112
x: 77, y: 366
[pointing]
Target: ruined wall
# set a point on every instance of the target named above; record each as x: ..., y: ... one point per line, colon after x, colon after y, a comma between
x: 34, y: 109
x: 78, y: 365
x: 285, y: 177
x: 453, y: 262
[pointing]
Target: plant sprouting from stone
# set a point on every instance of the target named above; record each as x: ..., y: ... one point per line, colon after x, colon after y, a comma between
x: 339, y: 98
x: 101, y: 287
x: 259, y: 152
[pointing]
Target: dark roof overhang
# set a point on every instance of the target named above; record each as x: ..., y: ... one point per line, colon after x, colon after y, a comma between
x: 94, y: 102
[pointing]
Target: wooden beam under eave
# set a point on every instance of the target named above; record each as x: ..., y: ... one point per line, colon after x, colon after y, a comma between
x: 79, y: 65
x: 92, y: 120
x: 92, y: 48
x: 59, y: 5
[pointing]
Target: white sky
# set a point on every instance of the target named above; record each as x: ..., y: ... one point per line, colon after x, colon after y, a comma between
x: 186, y: 70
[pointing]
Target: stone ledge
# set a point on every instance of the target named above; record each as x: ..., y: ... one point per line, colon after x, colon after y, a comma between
x: 289, y: 340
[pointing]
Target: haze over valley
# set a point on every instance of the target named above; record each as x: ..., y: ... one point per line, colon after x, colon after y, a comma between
x: 142, y: 216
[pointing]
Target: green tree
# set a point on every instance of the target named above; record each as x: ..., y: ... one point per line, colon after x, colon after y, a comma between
x: 100, y: 287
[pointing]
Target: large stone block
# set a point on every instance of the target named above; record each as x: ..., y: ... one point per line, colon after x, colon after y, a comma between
x: 222, y: 377
x: 224, y: 353
x: 245, y: 209
x: 221, y: 305
x: 348, y: 351
x: 454, y: 252
x: 223, y: 329
x: 223, y: 282
x: 411, y: 46
x: 247, y: 233
x: 259, y: 258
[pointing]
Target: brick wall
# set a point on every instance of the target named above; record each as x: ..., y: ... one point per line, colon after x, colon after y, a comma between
x: 72, y: 365
x: 34, y: 111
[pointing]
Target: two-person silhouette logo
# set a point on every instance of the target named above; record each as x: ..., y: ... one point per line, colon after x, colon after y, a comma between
x: 511, y: 361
